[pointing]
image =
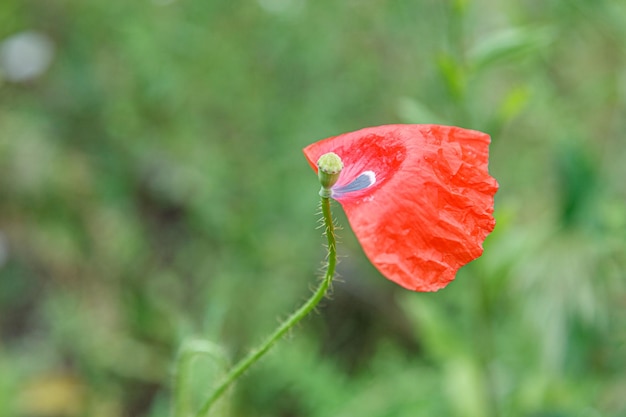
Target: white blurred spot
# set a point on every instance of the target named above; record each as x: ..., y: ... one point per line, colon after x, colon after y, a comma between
x: 25, y: 56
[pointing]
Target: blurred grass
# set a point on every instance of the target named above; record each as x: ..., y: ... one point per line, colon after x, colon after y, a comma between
x: 152, y: 189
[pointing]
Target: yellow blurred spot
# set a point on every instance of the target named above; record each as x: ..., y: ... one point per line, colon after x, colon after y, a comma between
x: 52, y: 395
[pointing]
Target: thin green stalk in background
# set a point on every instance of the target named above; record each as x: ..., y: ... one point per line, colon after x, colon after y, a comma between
x: 189, y: 351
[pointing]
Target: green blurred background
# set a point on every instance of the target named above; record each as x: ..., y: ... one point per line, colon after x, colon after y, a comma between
x: 153, y: 189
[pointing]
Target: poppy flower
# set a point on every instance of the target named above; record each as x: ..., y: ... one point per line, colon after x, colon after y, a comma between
x: 419, y: 198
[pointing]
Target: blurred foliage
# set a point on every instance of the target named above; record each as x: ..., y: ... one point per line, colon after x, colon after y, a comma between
x: 152, y: 190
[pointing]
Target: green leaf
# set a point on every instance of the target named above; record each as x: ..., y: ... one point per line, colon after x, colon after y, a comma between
x: 453, y: 75
x: 509, y: 45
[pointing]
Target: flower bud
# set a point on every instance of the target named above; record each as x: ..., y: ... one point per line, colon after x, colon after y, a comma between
x: 329, y: 167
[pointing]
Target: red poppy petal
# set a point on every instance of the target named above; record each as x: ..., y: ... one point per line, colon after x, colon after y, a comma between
x: 430, y: 207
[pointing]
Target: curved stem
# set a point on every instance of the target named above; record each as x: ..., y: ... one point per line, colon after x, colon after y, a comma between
x: 291, y: 321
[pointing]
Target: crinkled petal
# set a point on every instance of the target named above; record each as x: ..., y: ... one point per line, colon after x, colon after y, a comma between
x: 430, y: 207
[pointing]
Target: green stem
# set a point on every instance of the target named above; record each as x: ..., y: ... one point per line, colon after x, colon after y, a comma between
x: 298, y: 315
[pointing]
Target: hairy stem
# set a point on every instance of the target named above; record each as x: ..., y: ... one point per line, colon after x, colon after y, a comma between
x: 291, y: 321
